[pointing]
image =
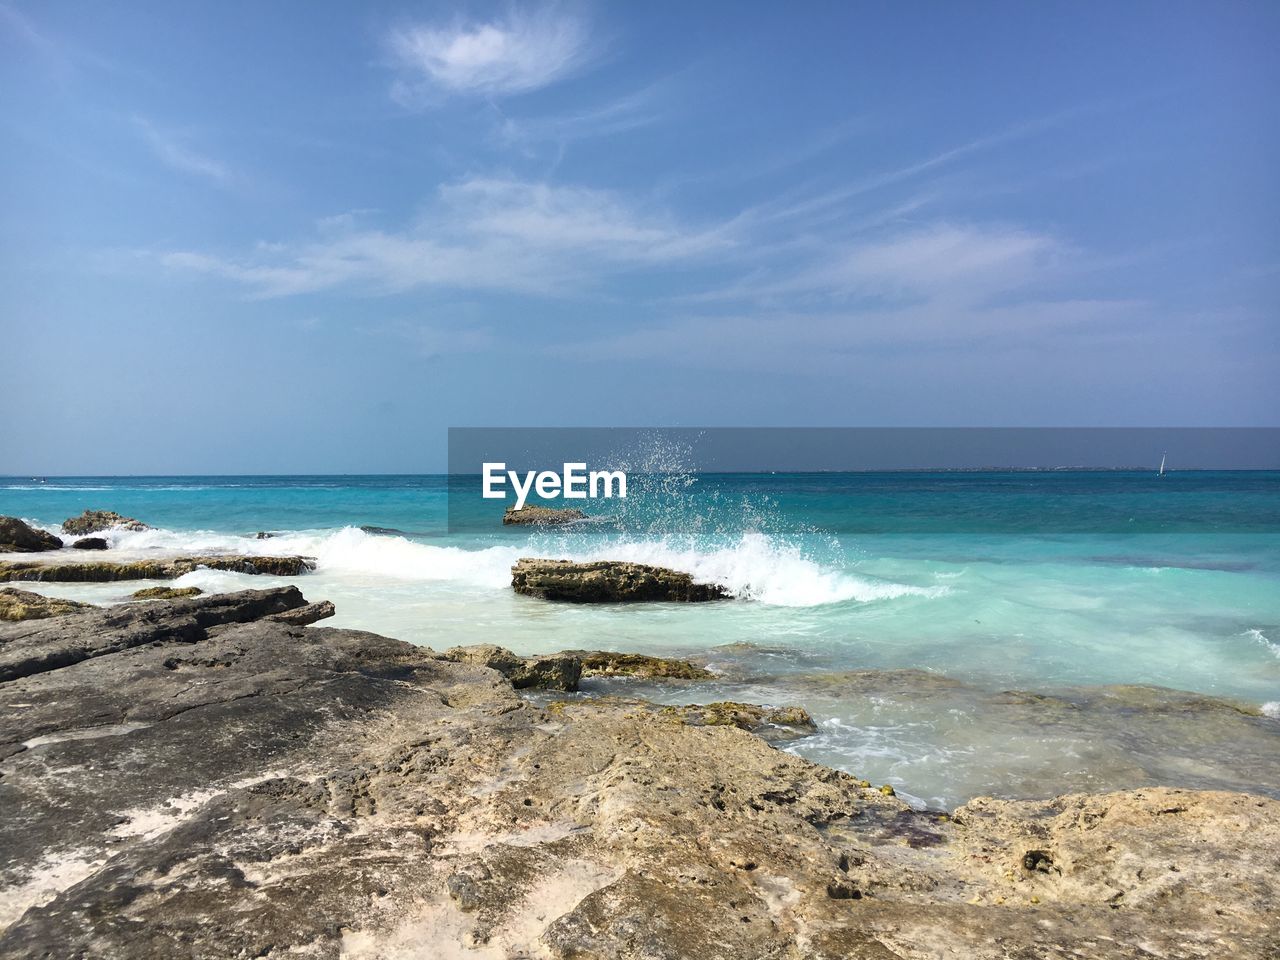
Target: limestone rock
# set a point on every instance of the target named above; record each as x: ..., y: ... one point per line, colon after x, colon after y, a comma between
x: 607, y: 663
x: 18, y: 605
x: 103, y: 571
x: 607, y: 581
x: 558, y: 671
x: 304, y: 616
x: 89, y: 543
x: 40, y: 647
x: 542, y: 516
x: 93, y: 521
x: 239, y: 786
x: 17, y: 536
x: 166, y: 593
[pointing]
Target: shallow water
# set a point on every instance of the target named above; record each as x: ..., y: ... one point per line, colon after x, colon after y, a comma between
x: 901, y: 642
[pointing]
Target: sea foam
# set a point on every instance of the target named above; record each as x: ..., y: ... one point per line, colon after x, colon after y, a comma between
x: 754, y: 567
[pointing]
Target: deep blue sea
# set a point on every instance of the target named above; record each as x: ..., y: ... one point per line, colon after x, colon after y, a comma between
x: 1018, y: 633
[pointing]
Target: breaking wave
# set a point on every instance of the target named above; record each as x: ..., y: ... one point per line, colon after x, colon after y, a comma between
x: 753, y: 567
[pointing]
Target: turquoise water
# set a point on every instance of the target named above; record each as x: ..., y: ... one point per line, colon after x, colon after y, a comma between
x: 858, y: 593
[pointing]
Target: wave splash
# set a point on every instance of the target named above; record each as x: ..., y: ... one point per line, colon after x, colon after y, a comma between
x: 754, y: 567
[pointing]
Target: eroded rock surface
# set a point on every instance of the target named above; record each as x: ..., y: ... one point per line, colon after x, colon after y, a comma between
x: 17, y: 536
x: 165, y: 593
x: 542, y: 516
x: 17, y: 605
x: 263, y: 789
x: 90, y: 543
x: 108, y: 571
x: 95, y: 521
x: 608, y: 581
x: 555, y: 672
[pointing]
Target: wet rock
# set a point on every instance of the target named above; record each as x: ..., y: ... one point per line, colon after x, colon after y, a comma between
x: 166, y: 593
x: 18, y: 605
x: 542, y: 516
x: 101, y: 571
x: 17, y: 536
x: 775, y: 723
x: 265, y: 535
x: 384, y: 531
x: 557, y: 671
x: 606, y: 663
x: 90, y: 543
x: 607, y: 581
x: 93, y: 521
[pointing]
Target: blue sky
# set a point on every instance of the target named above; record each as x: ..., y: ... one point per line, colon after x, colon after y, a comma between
x: 301, y: 237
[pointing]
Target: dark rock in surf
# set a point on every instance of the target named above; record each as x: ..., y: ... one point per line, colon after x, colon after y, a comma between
x: 19, y: 537
x: 542, y: 516
x: 166, y: 593
x: 90, y: 543
x: 93, y: 521
x: 608, y: 581
x: 103, y: 571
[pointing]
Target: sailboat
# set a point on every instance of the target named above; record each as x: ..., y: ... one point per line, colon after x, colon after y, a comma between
x: 1163, y: 457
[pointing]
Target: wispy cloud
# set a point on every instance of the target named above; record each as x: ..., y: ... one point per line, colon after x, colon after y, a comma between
x: 522, y: 51
x: 627, y: 113
x: 174, y: 152
x: 479, y: 234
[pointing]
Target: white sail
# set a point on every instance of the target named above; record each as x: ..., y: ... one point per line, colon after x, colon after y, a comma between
x: 1163, y: 456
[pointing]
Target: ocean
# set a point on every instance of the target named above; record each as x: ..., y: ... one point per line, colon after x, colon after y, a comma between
x: 959, y: 634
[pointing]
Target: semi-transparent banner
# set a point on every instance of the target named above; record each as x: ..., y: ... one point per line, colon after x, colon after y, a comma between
x: 916, y: 481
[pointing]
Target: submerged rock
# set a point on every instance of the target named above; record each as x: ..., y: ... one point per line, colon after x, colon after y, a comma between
x: 542, y: 516
x: 93, y: 521
x: 18, y: 605
x: 104, y: 571
x: 17, y: 536
x: 608, y: 581
x: 214, y: 778
x: 166, y: 593
x: 90, y: 543
x: 557, y: 671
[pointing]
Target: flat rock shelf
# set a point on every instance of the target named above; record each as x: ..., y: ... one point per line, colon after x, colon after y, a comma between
x: 202, y: 771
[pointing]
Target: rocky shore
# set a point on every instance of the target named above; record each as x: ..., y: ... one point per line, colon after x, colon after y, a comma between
x: 202, y: 777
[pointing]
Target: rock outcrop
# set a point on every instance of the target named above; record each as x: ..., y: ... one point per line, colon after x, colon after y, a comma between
x: 17, y: 536
x: 166, y: 593
x: 555, y: 672
x: 95, y: 521
x: 104, y: 571
x: 90, y: 543
x: 16, y: 605
x: 39, y: 647
x: 246, y: 787
x: 608, y: 581
x: 542, y: 516
x: 305, y: 616
x: 607, y: 663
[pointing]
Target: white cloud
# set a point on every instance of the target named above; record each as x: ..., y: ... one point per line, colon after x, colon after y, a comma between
x: 523, y: 51
x: 176, y: 154
x: 480, y: 234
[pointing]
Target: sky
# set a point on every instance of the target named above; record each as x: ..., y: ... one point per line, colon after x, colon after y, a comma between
x: 302, y: 237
